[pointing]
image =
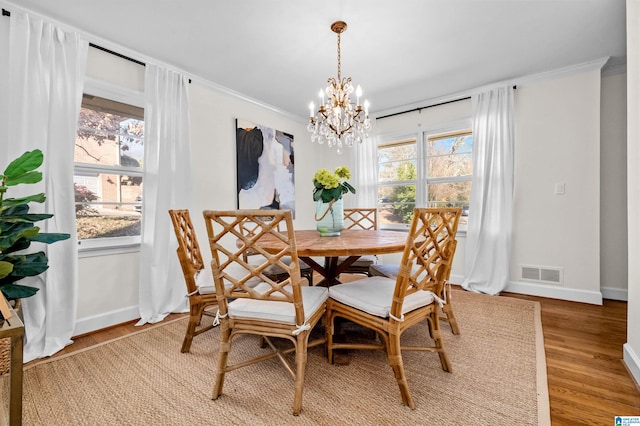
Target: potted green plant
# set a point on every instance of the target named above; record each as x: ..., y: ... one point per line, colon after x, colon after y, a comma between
x: 18, y: 229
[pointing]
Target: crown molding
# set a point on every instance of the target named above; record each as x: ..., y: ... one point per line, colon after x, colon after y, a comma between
x: 519, y: 81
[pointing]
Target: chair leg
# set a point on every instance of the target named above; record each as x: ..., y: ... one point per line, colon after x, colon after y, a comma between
x: 309, y: 277
x: 194, y: 319
x: 451, y: 318
x: 447, y: 309
x: 436, y: 334
x: 301, y: 365
x: 225, y: 347
x: 394, y: 354
x: 328, y: 331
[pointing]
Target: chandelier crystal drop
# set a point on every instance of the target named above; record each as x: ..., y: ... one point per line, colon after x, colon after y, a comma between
x: 338, y: 121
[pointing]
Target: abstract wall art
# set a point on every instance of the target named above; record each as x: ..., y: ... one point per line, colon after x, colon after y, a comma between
x: 264, y: 167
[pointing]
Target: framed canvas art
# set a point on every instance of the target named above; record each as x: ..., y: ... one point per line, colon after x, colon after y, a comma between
x: 264, y: 167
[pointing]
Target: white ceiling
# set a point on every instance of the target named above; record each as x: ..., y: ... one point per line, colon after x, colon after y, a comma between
x: 281, y: 52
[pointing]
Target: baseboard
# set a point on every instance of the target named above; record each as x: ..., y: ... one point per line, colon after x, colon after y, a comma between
x: 555, y: 292
x: 632, y: 361
x: 107, y: 319
x: 615, y: 293
x: 551, y: 291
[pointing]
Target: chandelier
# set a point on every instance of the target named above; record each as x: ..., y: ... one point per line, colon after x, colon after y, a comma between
x: 338, y: 121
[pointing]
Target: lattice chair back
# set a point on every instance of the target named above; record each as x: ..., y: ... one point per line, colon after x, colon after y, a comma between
x: 426, y: 260
x: 197, y: 277
x: 234, y: 277
x: 360, y: 218
x: 188, y: 248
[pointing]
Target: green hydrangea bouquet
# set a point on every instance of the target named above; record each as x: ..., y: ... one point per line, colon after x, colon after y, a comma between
x: 330, y: 186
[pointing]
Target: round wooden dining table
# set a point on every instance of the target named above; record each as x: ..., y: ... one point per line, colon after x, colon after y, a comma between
x: 350, y: 243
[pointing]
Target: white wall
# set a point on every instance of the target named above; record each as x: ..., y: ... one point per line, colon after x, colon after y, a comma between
x: 632, y: 347
x: 613, y: 187
x: 558, y: 141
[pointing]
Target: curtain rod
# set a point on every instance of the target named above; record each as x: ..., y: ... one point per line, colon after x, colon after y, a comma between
x: 5, y: 12
x: 428, y: 106
x: 421, y: 108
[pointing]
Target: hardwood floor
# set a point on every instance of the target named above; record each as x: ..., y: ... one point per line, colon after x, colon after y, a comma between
x: 588, y: 382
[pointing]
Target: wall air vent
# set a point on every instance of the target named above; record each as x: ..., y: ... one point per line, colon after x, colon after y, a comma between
x: 542, y: 274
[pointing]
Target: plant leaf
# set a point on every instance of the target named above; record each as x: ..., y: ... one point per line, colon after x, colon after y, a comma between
x: 14, y: 202
x: 349, y: 187
x: 28, y: 177
x: 16, y: 291
x: 31, y: 217
x: 11, y: 235
x: 27, y: 162
x: 49, y: 237
x: 5, y: 268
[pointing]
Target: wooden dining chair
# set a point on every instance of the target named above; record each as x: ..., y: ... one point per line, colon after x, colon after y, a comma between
x: 272, y: 309
x: 274, y: 271
x: 390, y: 307
x: 360, y: 218
x: 390, y: 270
x: 199, y: 281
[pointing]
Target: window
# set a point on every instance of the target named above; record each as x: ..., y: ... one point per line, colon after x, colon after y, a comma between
x: 432, y: 169
x: 108, y: 172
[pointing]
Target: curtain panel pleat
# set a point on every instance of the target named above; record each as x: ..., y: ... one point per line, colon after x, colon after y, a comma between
x: 364, y: 167
x: 167, y: 185
x: 46, y: 73
x: 488, y: 245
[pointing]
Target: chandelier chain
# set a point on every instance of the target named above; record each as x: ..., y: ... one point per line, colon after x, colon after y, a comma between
x: 339, y: 77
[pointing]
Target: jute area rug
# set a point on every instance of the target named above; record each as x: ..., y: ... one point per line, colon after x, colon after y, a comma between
x: 499, y: 378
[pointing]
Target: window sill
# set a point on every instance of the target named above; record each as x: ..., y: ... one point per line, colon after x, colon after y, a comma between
x: 108, y: 246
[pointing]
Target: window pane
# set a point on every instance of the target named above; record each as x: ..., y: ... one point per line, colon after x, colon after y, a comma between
x: 449, y: 156
x: 396, y: 203
x: 108, y: 138
x: 395, y: 214
x: 107, y: 225
x: 459, y: 144
x: 452, y: 194
x: 397, y: 162
x: 449, y: 194
x: 397, y: 171
x: 107, y: 205
x: 449, y: 165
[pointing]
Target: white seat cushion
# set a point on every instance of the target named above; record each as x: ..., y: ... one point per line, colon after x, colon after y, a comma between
x: 373, y: 295
x: 276, y: 270
x: 313, y: 298
x: 204, y: 278
x: 389, y: 270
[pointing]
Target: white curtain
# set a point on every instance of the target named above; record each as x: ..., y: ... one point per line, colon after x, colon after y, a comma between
x: 46, y: 77
x: 488, y: 245
x: 167, y: 185
x: 364, y: 167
